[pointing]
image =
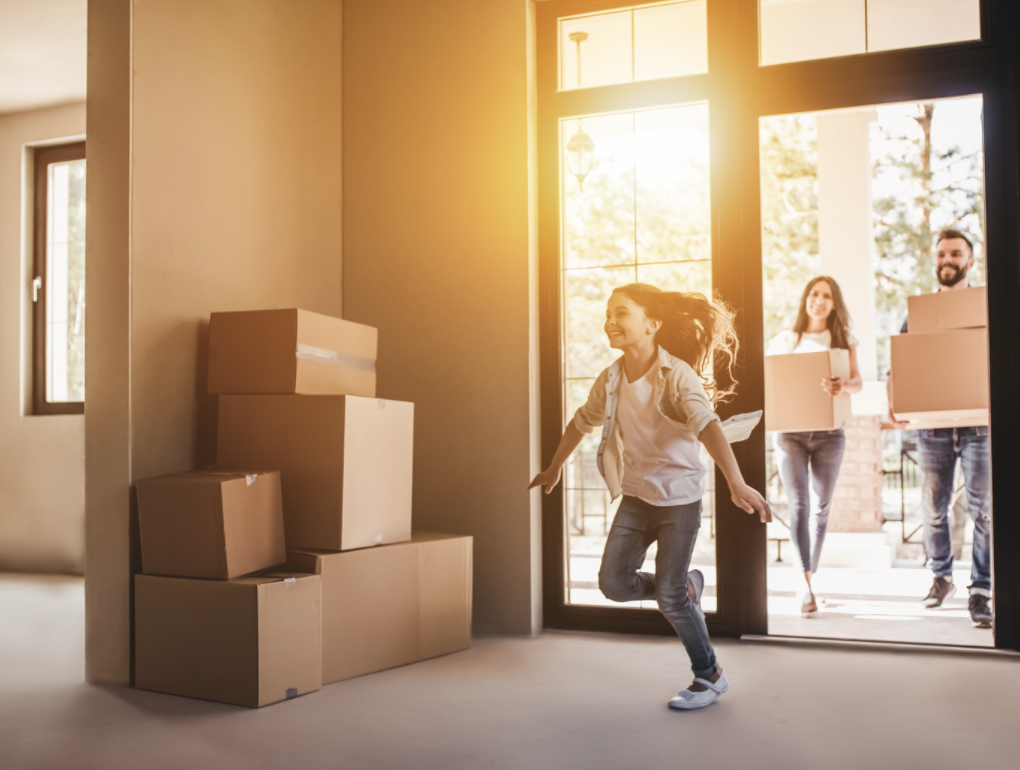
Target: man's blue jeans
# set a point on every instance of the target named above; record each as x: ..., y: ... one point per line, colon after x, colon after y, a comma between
x: 637, y: 525
x: 821, y: 453
x: 939, y: 449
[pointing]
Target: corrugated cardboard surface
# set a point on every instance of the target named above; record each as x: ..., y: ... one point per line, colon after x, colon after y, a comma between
x: 378, y: 469
x: 345, y: 463
x: 941, y: 377
x: 794, y: 399
x: 290, y: 638
x: 210, y: 525
x: 444, y: 593
x: 346, y: 338
x: 944, y: 310
x: 246, y: 642
x: 256, y: 352
x: 393, y: 605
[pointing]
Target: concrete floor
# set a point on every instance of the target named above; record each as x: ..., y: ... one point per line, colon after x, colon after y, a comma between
x: 557, y: 701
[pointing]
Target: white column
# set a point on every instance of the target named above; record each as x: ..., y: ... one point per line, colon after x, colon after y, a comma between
x: 845, y: 240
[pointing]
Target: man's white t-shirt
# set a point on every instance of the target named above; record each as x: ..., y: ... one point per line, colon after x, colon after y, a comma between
x: 661, y: 464
x: 786, y: 342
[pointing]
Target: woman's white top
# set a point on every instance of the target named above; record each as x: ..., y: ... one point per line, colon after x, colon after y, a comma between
x: 661, y: 464
x: 786, y: 342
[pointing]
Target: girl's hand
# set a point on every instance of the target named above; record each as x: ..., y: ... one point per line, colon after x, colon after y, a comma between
x: 749, y: 500
x: 548, y: 478
x: 833, y: 386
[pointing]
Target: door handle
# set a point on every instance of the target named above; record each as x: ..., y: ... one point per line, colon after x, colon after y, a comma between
x: 36, y: 286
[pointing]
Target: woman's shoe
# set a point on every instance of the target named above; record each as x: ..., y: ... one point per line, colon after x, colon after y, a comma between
x: 688, y: 699
x: 808, y: 605
x: 697, y: 582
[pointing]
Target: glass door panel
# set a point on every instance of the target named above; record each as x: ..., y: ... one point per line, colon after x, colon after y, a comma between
x: 638, y: 213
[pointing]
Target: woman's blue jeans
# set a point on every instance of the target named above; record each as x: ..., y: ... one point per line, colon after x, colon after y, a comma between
x: 637, y: 525
x: 809, y: 458
x: 939, y: 450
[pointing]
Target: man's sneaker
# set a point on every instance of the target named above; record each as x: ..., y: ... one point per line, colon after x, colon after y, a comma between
x: 980, y: 612
x: 941, y: 589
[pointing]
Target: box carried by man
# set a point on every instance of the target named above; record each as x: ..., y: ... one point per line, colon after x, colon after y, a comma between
x: 940, y: 379
x: 940, y: 366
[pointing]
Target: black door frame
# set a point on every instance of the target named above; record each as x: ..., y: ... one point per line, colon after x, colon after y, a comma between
x: 739, y: 92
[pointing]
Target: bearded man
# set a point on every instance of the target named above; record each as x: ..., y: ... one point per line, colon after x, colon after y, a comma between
x: 939, y: 449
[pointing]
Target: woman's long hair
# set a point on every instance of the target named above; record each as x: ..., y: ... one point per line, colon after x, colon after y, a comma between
x: 694, y: 329
x: 838, y: 322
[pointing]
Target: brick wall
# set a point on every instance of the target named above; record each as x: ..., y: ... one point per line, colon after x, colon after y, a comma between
x: 857, y: 504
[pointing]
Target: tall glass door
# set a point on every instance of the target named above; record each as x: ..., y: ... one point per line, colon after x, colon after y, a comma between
x: 641, y: 213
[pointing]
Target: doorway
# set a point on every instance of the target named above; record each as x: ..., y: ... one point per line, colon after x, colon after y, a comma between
x: 754, y: 65
x: 860, y: 196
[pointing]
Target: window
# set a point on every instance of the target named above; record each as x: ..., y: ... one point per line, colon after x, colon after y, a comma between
x: 58, y: 285
x: 633, y: 44
x: 641, y: 214
x: 799, y: 30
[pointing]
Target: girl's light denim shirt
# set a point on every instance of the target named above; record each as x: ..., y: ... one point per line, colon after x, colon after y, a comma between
x: 678, y: 393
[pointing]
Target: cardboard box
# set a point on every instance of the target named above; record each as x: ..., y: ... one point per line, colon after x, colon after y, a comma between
x: 290, y: 351
x: 940, y: 379
x: 250, y: 642
x: 389, y: 606
x: 944, y: 310
x: 794, y: 399
x: 345, y: 463
x: 211, y: 525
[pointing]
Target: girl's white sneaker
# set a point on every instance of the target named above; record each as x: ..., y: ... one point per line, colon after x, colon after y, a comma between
x: 687, y: 699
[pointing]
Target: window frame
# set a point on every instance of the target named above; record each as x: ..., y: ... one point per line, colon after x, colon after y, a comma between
x: 44, y: 156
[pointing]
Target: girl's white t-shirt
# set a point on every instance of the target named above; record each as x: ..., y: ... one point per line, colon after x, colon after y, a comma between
x: 786, y: 342
x: 661, y: 465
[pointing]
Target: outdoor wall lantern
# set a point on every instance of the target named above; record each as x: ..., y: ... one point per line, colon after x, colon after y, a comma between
x: 580, y: 147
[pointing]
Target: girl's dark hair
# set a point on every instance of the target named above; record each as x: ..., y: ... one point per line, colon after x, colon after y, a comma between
x: 838, y: 322
x: 694, y: 329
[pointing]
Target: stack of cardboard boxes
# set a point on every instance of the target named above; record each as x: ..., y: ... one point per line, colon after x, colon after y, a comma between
x: 297, y: 395
x: 940, y: 366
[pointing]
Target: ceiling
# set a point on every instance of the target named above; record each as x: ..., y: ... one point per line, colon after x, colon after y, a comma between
x: 42, y: 53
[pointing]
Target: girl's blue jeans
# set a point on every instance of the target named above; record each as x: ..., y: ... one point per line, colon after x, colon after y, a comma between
x: 809, y: 458
x: 637, y: 525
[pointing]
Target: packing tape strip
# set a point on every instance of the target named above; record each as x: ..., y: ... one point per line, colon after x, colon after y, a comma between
x: 250, y: 478
x: 289, y: 582
x: 333, y: 358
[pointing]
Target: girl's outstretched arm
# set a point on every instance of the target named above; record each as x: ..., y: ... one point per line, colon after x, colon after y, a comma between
x: 550, y: 477
x: 745, y: 498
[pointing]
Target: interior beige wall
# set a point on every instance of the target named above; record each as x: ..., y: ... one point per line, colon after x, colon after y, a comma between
x: 436, y: 255
x: 42, y: 458
x: 232, y: 122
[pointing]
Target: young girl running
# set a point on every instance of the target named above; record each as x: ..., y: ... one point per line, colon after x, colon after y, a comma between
x: 804, y: 458
x: 654, y: 409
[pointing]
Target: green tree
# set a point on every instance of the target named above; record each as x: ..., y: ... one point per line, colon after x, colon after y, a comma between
x: 789, y: 215
x: 928, y: 187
